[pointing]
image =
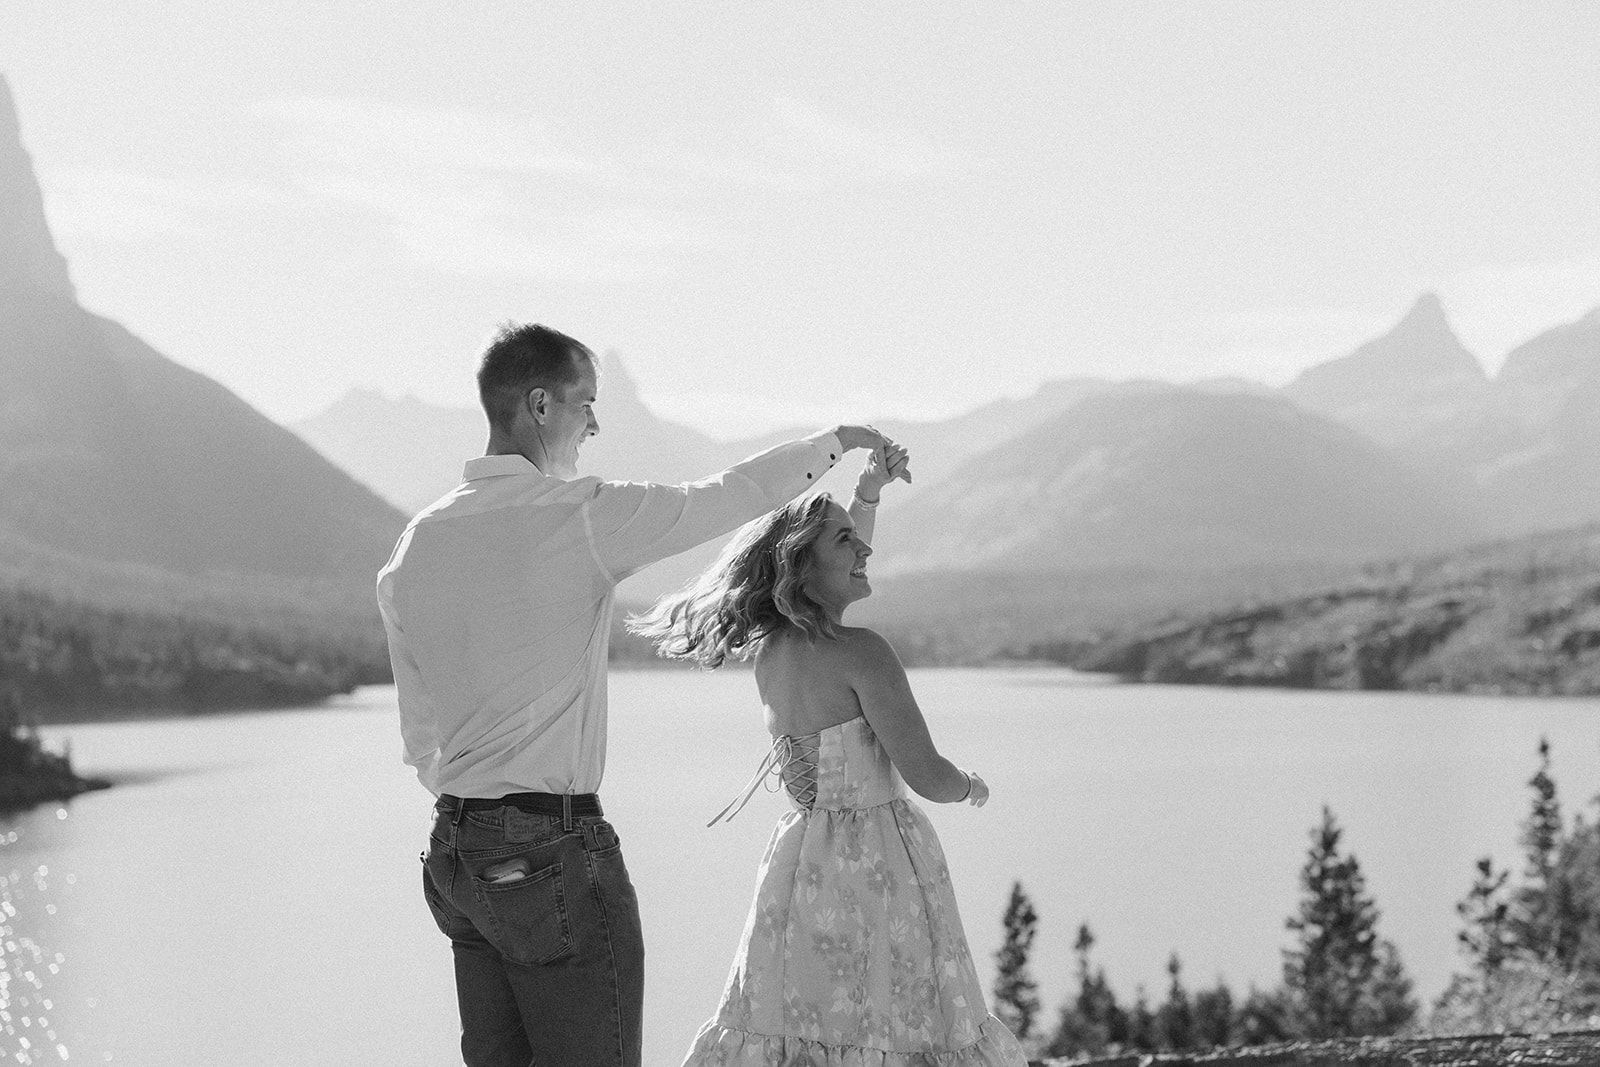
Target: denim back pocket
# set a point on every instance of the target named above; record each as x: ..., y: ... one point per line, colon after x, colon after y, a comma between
x: 529, y: 916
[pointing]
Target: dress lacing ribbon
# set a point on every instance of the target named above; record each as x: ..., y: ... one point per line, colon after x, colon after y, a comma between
x: 792, y: 761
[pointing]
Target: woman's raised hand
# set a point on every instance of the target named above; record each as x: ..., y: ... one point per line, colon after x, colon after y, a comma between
x: 884, y: 465
x: 980, y: 790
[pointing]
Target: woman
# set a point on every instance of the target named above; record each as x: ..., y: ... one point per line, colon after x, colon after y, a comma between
x: 853, y: 952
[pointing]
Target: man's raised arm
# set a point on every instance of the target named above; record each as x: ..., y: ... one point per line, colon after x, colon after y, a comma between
x: 634, y: 524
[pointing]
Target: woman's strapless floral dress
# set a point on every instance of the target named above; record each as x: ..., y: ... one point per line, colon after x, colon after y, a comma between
x: 853, y: 954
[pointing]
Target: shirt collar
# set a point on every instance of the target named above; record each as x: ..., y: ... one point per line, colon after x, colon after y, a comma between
x: 498, y: 466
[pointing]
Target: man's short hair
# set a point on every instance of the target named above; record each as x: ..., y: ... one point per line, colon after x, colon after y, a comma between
x: 521, y: 358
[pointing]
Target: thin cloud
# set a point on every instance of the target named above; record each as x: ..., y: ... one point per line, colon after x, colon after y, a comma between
x: 795, y: 146
x: 357, y: 132
x: 470, y: 194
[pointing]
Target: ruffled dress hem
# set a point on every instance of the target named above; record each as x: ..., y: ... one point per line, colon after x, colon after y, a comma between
x: 726, y: 1046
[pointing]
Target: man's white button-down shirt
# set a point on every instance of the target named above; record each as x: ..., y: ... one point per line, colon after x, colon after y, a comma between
x: 498, y: 600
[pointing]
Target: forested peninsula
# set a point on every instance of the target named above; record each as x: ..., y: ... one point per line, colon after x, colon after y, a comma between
x: 1515, y: 617
x: 29, y: 773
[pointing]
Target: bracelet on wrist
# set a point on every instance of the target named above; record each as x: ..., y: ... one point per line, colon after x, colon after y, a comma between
x: 968, y: 794
x: 865, y: 504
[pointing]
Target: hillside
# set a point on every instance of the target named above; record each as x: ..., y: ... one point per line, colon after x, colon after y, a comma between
x: 153, y: 526
x: 1519, y: 616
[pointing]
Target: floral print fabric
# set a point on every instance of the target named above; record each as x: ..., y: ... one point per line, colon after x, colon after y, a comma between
x: 853, y: 952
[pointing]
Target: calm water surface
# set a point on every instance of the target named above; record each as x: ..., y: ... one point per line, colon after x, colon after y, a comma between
x: 249, y: 894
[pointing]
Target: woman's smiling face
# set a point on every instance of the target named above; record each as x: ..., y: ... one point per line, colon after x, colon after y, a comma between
x: 836, y: 574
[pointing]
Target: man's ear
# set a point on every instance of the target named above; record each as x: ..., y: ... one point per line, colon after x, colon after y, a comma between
x: 538, y: 403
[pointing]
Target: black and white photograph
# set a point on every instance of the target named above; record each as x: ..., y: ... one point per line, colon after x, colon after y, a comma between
x: 950, y: 534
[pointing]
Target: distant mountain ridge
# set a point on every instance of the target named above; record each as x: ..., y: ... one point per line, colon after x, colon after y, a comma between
x: 1402, y: 445
x: 114, y: 460
x: 1138, y: 476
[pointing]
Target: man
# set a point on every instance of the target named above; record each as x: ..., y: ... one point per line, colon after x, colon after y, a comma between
x: 497, y: 602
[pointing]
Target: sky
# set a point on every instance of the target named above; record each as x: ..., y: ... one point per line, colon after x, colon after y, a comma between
x: 781, y: 213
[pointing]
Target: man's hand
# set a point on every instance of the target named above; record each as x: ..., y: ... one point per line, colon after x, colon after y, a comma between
x: 859, y: 437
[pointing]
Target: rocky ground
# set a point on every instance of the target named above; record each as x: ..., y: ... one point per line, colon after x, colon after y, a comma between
x: 1579, y: 1048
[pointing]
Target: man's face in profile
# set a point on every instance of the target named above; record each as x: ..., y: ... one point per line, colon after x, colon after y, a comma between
x: 571, y: 421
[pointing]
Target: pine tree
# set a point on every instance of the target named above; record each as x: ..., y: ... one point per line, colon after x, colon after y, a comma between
x: 1535, y: 920
x: 1213, y: 1017
x: 1142, y: 1034
x: 1541, y: 831
x: 1175, y: 1018
x: 1486, y: 936
x: 1085, y: 1025
x: 1340, y: 979
x: 1016, y: 994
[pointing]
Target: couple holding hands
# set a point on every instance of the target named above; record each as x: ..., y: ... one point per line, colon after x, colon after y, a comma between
x: 497, y: 601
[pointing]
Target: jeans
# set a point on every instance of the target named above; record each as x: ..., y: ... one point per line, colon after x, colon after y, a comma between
x: 544, y: 924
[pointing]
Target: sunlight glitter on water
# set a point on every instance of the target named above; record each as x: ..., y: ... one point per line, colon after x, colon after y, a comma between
x: 27, y: 1033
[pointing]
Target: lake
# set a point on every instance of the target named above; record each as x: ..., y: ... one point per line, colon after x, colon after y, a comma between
x: 249, y: 892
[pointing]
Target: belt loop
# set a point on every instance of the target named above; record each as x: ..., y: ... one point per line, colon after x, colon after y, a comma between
x: 455, y: 821
x: 566, y: 813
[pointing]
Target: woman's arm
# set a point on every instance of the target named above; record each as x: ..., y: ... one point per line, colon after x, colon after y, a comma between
x: 884, y: 464
x: 884, y: 692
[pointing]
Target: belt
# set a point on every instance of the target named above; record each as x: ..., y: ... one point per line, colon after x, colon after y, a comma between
x: 565, y: 804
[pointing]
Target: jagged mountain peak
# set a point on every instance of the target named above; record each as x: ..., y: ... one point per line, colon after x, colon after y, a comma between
x: 615, y: 379
x: 1416, y: 375
x: 28, y: 253
x: 1426, y: 312
x: 1422, y: 341
x: 1421, y: 344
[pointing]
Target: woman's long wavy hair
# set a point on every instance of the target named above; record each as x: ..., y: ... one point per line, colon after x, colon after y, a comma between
x: 754, y: 590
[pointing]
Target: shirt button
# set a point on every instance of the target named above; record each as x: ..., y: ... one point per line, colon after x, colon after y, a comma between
x: 832, y: 456
x: 808, y: 475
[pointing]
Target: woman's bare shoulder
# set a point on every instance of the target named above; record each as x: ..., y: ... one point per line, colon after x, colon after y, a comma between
x: 866, y: 648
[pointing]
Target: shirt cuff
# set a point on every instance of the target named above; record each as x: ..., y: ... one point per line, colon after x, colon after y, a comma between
x: 827, y: 445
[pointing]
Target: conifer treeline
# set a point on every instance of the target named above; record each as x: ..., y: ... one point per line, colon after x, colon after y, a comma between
x: 66, y: 657
x: 1532, y: 951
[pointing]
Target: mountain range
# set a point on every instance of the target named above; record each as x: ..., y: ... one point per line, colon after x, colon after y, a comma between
x: 130, y: 482
x: 1403, y: 445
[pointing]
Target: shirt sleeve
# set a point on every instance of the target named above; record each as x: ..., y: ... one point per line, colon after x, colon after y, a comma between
x: 634, y: 524
x: 418, y: 733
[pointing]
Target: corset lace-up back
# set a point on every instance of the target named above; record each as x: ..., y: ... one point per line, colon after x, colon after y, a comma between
x: 839, y: 768
x: 797, y: 764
